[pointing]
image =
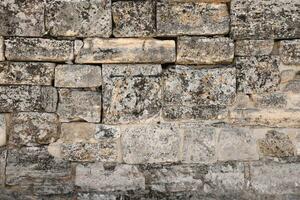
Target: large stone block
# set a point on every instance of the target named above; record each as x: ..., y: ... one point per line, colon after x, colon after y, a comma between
x: 126, y: 50
x: 191, y: 18
x: 150, y: 143
x: 79, y: 18
x: 38, y: 49
x: 75, y: 105
x: 200, y: 50
x: 78, y: 76
x: 134, y: 18
x: 22, y: 18
x: 2, y: 58
x: 254, y: 47
x: 116, y: 178
x: 26, y: 73
x: 27, y: 98
x: 33, y: 129
x: 290, y: 51
x: 3, y: 129
x: 131, y: 92
x: 274, y: 19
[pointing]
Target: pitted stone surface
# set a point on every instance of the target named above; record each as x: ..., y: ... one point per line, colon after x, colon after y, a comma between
x: 3, y: 155
x: 3, y: 129
x: 2, y: 58
x: 290, y: 51
x: 254, y: 47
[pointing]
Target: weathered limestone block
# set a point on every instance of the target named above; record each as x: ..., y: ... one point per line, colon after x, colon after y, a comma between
x: 191, y: 18
x: 126, y: 50
x: 150, y: 143
x: 32, y: 169
x: 275, y: 178
x: 26, y: 73
x: 257, y: 74
x: 290, y: 51
x: 293, y: 86
x: 134, y: 18
x: 254, y: 47
x: 254, y: 19
x: 33, y: 129
x: 38, y: 49
x: 191, y: 92
x: 3, y: 129
x: 131, y: 92
x: 270, y: 100
x: 22, y: 18
x: 27, y: 98
x: 115, y: 178
x: 200, y: 50
x: 79, y: 18
x: 95, y: 196
x: 75, y: 105
x: 237, y: 144
x: 78, y: 76
x: 3, y: 155
x: 2, y: 58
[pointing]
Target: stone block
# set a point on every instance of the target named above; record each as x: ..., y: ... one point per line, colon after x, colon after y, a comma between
x: 22, y: 18
x: 134, y: 18
x: 253, y: 19
x: 131, y: 92
x: 78, y: 105
x: 27, y: 98
x: 2, y: 58
x: 271, y: 100
x: 126, y: 50
x: 38, y: 49
x: 290, y: 51
x: 293, y: 86
x: 191, y: 18
x: 72, y: 76
x: 3, y: 155
x: 79, y: 18
x: 254, y: 47
x: 95, y: 196
x: 150, y: 143
x: 26, y: 73
x: 3, y: 129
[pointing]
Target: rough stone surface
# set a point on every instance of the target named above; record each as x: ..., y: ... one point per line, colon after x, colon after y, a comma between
x: 3, y: 129
x: 27, y: 98
x: 290, y: 51
x: 29, y: 73
x: 200, y: 50
x: 191, y: 18
x: 38, y: 49
x: 252, y: 19
x: 150, y: 143
x: 72, y: 76
x: 130, y: 50
x: 254, y: 47
x: 131, y: 92
x: 2, y: 58
x: 75, y: 105
x: 3, y: 155
x: 79, y: 18
x: 133, y: 18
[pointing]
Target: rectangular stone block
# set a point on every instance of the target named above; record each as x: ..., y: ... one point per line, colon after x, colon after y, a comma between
x: 150, y: 143
x: 3, y: 129
x: 2, y: 58
x: 117, y: 178
x: 3, y: 155
x: 27, y: 98
x: 131, y: 93
x: 254, y: 19
x: 207, y: 51
x: 22, y: 18
x: 76, y: 105
x: 26, y: 73
x: 134, y: 18
x: 290, y: 51
x: 254, y: 47
x: 126, y: 50
x: 191, y: 18
x: 78, y: 76
x: 33, y: 129
x: 78, y: 18
x: 38, y: 49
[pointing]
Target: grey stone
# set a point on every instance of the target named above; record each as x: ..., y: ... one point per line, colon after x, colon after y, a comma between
x: 2, y: 58
x: 118, y: 178
x: 22, y: 18
x: 150, y: 143
x: 79, y: 18
x: 131, y: 92
x: 38, y: 49
x: 272, y: 100
x: 3, y: 129
x: 273, y: 19
x: 293, y: 86
x: 191, y: 18
x: 27, y: 98
x: 33, y: 129
x: 134, y: 18
x: 95, y: 196
x: 78, y: 76
x: 3, y: 155
x: 200, y: 50
x: 254, y: 47
x: 26, y: 73
x: 126, y: 50
x: 290, y: 51
x: 75, y: 105
x: 257, y: 74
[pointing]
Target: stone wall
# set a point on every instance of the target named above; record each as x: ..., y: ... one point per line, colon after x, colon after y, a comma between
x: 146, y: 99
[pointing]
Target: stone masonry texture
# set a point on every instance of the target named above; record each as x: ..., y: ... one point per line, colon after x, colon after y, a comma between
x: 149, y: 99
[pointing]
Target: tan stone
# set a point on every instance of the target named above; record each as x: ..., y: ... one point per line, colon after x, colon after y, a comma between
x: 253, y: 47
x: 3, y: 132
x: 2, y: 58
